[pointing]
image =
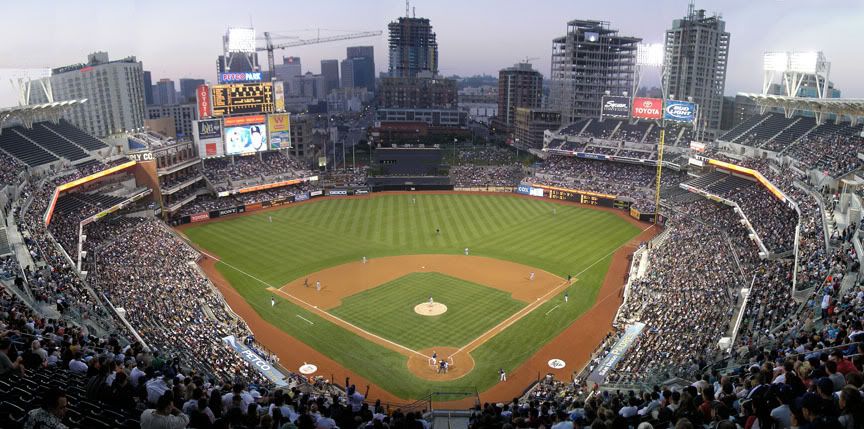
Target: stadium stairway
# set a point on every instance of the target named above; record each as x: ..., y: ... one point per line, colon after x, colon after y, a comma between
x: 447, y: 419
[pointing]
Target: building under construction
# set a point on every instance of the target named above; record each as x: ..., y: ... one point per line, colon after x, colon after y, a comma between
x: 586, y: 63
x: 413, y: 48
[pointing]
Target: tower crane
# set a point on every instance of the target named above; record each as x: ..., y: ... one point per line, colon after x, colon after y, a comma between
x: 270, y: 47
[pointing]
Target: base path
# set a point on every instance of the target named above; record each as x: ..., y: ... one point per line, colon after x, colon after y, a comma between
x: 348, y: 279
x: 574, y: 345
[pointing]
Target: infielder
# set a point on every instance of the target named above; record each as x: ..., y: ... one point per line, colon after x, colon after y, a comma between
x: 502, y: 376
x: 566, y: 296
x: 466, y: 251
x: 531, y: 276
x: 318, y: 285
x: 364, y: 259
x: 272, y: 302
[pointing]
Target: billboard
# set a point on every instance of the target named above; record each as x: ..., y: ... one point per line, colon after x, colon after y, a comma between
x: 681, y: 111
x: 647, y: 108
x: 615, y: 107
x: 239, y: 77
x: 279, y: 95
x: 208, y: 136
x: 205, y: 106
x: 240, y: 98
x: 245, y: 139
x: 279, y: 125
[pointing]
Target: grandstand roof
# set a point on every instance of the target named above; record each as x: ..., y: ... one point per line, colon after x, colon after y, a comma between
x: 29, y: 112
x: 852, y: 107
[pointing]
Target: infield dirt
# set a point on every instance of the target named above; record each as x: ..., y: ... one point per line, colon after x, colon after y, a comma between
x: 574, y: 345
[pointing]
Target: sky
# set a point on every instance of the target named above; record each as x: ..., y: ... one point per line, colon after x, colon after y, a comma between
x: 177, y: 39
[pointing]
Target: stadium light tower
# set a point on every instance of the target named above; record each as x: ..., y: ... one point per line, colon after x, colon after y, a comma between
x: 791, y: 70
x: 653, y: 56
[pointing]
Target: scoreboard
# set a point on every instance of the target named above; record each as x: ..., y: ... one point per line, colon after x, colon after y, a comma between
x: 581, y: 197
x: 242, y: 98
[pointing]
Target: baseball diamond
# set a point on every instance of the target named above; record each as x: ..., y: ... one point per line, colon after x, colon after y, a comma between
x: 377, y: 257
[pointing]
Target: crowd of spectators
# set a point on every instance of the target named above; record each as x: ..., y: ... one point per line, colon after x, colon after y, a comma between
x: 636, y: 182
x: 208, y: 202
x: 9, y: 169
x: 836, y: 154
x: 254, y: 168
x: 485, y: 155
x: 471, y: 176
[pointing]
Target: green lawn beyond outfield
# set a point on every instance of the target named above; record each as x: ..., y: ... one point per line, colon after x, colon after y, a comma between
x: 307, y: 238
x: 388, y: 310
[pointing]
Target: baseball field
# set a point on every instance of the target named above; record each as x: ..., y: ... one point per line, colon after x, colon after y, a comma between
x: 373, y: 286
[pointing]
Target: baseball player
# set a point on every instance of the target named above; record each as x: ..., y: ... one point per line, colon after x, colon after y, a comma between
x: 318, y: 285
x: 566, y: 296
x: 414, y: 201
x: 430, y: 300
x: 502, y: 376
x: 466, y: 251
x: 272, y: 302
x: 364, y: 259
x: 531, y: 276
x: 569, y: 278
x: 270, y: 218
x: 437, y: 231
x: 554, y: 211
x: 306, y: 282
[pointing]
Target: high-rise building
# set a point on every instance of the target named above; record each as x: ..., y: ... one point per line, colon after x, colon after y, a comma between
x: 697, y: 52
x: 529, y: 125
x: 413, y: 48
x: 362, y: 67
x: 187, y: 89
x: 183, y: 115
x: 290, y: 72
x: 114, y: 91
x: 330, y: 71
x: 588, y: 61
x: 418, y: 93
x: 164, y: 92
x: 518, y: 86
x: 148, y: 88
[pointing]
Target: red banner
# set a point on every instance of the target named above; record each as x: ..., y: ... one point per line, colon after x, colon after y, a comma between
x: 647, y: 108
x: 200, y: 217
x: 244, y: 120
x: 205, y: 109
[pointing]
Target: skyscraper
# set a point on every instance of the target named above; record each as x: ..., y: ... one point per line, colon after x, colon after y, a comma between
x: 114, y: 91
x: 148, y: 88
x: 413, y: 48
x: 187, y: 89
x: 164, y: 93
x: 697, y: 52
x: 589, y: 60
x: 363, y: 67
x: 330, y: 71
x: 518, y: 86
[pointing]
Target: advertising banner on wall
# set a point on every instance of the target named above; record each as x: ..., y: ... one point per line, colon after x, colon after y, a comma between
x: 615, y: 107
x: 208, y: 137
x: 631, y: 333
x: 647, y: 108
x: 202, y: 95
x: 681, y: 111
x: 279, y: 125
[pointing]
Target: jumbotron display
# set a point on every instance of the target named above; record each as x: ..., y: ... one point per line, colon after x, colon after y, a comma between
x: 242, y: 98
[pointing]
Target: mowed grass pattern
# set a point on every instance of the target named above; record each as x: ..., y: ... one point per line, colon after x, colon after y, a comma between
x: 388, y: 310
x: 306, y: 238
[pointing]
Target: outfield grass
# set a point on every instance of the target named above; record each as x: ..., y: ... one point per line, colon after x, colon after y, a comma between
x: 388, y: 310
x: 307, y: 238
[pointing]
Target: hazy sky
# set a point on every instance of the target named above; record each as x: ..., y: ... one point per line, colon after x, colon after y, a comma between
x: 182, y: 38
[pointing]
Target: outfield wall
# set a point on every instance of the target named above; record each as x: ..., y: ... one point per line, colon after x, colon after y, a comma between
x: 584, y: 197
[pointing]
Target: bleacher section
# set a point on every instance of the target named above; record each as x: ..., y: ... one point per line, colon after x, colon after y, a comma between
x: 5, y: 249
x: 73, y: 202
x: 52, y: 142
x: 771, y: 126
x: 733, y: 134
x: 75, y: 135
x: 24, y: 149
x: 790, y: 135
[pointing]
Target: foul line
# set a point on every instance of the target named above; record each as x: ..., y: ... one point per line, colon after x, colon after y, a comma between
x: 307, y: 320
x: 315, y: 308
x: 535, y: 305
x: 553, y: 308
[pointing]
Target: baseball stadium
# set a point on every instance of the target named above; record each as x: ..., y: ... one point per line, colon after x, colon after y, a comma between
x: 271, y: 254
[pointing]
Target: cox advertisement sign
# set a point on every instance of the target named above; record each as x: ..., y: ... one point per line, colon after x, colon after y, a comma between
x: 681, y: 111
x: 615, y: 107
x: 647, y: 108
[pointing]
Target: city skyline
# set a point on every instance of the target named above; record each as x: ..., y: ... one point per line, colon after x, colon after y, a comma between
x: 473, y: 38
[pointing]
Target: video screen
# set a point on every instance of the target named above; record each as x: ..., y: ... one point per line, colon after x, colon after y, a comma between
x: 245, y: 138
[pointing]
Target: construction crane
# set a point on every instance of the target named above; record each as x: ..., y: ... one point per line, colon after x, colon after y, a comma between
x: 270, y: 47
x: 528, y: 60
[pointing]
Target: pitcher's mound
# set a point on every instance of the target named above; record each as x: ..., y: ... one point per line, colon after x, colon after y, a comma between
x: 433, y: 309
